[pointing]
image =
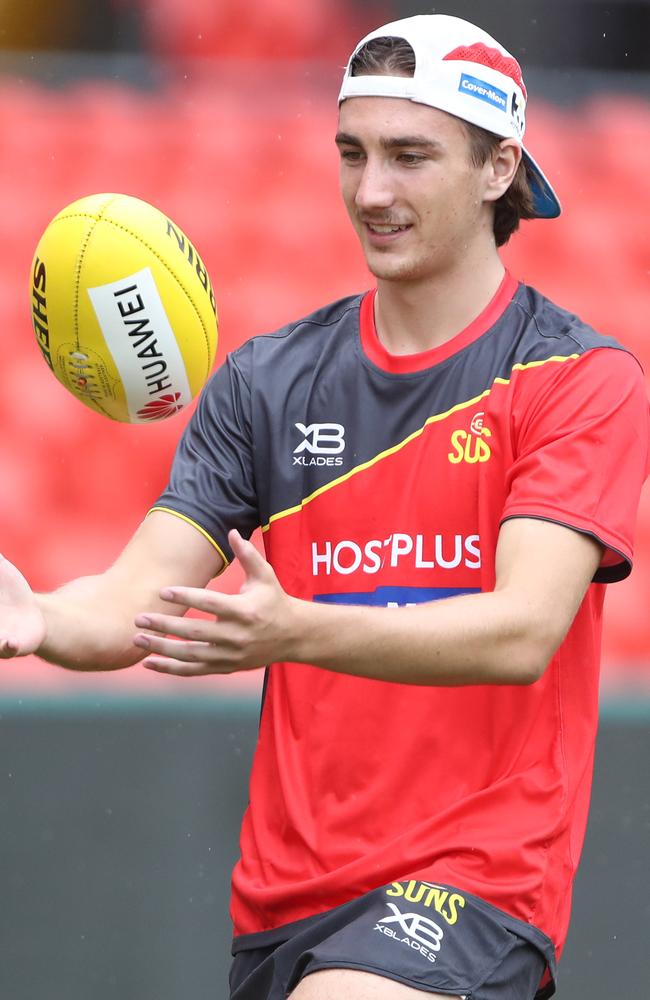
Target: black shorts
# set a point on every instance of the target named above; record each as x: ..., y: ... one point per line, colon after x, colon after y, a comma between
x: 431, y: 937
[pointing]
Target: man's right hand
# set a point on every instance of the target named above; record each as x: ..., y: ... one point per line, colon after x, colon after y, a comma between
x: 22, y: 625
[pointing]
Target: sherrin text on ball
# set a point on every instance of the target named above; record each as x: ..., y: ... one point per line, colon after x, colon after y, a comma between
x: 123, y: 308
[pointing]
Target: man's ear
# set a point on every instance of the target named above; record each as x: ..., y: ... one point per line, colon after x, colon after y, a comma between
x: 503, y: 166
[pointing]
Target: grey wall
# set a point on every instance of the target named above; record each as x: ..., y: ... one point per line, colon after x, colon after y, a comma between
x: 118, y: 828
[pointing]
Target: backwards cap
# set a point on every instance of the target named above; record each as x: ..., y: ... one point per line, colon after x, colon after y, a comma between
x: 462, y: 70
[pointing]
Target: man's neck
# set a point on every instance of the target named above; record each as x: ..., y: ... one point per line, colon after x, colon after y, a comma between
x: 412, y: 317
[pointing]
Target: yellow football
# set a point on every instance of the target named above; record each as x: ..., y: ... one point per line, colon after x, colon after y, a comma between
x: 122, y: 308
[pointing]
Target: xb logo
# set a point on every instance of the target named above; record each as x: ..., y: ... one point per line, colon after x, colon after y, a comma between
x: 321, y: 439
x: 423, y: 930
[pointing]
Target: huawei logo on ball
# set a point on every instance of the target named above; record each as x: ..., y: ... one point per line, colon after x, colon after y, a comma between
x: 164, y: 406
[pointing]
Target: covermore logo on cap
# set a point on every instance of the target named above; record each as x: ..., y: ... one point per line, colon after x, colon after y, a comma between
x: 483, y: 55
x: 462, y: 70
x: 484, y: 92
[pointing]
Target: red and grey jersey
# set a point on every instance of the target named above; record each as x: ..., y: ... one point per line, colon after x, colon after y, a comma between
x: 384, y: 480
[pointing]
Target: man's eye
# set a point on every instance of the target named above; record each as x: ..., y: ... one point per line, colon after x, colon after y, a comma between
x: 410, y: 158
x: 351, y: 155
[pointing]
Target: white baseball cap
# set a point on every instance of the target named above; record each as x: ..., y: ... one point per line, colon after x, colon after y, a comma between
x: 462, y: 70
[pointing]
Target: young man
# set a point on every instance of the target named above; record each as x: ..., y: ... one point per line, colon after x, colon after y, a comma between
x: 446, y: 470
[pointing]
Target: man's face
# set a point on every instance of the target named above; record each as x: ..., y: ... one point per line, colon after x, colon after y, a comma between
x: 412, y: 193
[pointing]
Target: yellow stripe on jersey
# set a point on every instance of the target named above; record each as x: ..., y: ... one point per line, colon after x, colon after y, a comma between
x: 188, y: 520
x: 411, y: 437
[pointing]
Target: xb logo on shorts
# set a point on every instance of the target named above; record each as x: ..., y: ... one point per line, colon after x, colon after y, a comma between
x: 323, y: 442
x: 420, y: 933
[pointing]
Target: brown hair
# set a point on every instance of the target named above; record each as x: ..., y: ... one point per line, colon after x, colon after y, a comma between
x: 394, y: 57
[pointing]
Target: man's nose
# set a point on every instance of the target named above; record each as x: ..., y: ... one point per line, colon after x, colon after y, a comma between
x: 374, y: 191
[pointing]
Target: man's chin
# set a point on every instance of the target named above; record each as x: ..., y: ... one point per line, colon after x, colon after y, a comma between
x: 392, y: 270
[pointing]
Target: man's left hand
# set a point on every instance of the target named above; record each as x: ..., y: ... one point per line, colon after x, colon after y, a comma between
x: 249, y: 630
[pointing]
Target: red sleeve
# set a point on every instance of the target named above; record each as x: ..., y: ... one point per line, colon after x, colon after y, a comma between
x: 581, y: 433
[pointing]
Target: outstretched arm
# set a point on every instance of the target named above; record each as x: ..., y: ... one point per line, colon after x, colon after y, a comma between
x: 506, y: 636
x: 88, y: 623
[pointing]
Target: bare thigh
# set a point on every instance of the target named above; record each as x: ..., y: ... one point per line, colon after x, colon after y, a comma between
x: 350, y: 984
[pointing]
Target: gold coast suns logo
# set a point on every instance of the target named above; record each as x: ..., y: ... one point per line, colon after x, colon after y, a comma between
x: 445, y: 902
x: 471, y: 446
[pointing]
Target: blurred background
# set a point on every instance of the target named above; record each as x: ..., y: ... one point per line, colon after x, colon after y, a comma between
x: 121, y: 794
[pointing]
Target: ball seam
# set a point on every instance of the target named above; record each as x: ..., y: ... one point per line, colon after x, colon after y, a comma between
x: 77, y: 281
x: 119, y: 225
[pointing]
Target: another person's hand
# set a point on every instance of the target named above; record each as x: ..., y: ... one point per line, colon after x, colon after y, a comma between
x: 22, y: 626
x: 250, y: 629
